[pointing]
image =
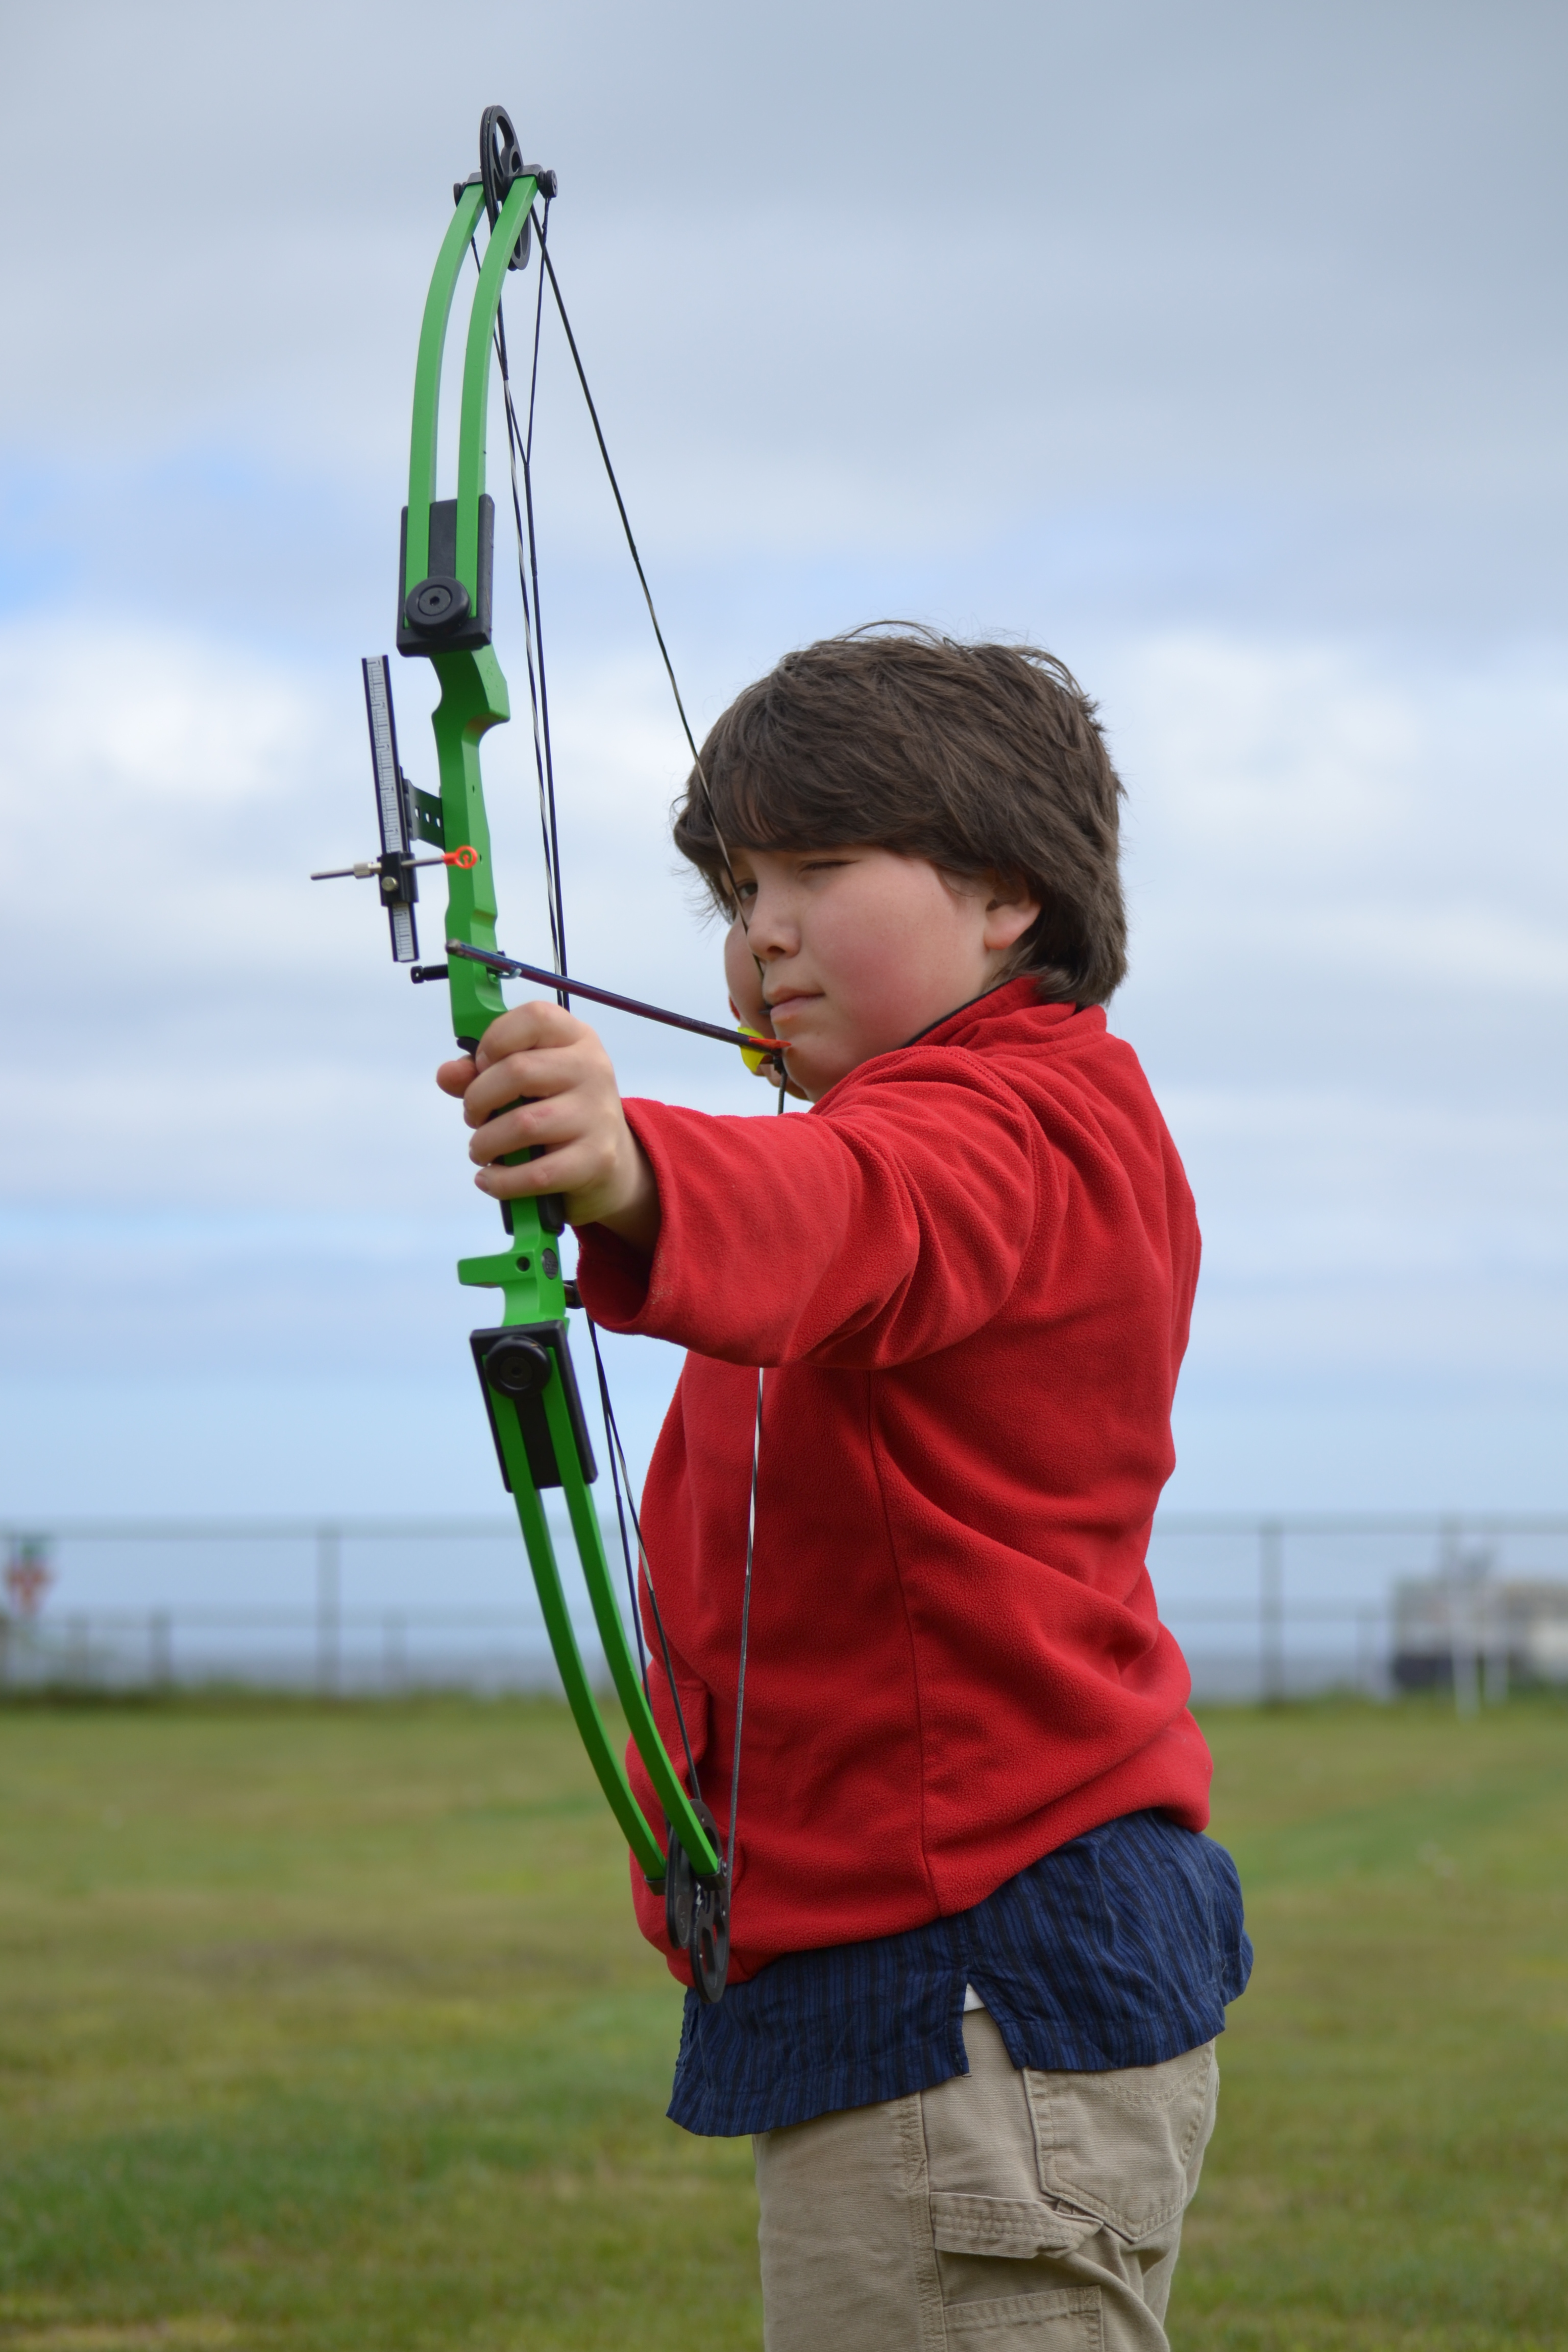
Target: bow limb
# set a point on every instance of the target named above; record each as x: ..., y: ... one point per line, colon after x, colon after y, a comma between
x: 427, y: 383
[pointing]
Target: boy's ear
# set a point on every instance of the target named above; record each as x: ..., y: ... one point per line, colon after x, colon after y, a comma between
x: 1010, y: 909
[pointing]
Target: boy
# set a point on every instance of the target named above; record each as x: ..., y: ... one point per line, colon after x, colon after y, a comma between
x: 980, y: 1949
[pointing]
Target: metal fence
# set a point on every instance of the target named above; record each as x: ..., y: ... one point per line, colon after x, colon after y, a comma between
x: 340, y: 1606
x: 1302, y: 1602
x: 1270, y: 1608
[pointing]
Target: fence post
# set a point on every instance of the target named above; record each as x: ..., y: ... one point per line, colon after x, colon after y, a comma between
x: 328, y: 1609
x: 1461, y: 1621
x: 1271, y: 1610
x: 1367, y: 1676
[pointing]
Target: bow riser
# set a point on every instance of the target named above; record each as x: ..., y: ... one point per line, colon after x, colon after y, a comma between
x: 473, y: 700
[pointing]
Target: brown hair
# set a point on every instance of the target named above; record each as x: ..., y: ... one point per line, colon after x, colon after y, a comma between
x: 986, y: 759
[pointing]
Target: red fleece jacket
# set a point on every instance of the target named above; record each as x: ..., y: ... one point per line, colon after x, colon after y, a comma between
x: 969, y: 1272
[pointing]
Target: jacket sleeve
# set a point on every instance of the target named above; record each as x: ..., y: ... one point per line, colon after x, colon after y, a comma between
x: 887, y: 1224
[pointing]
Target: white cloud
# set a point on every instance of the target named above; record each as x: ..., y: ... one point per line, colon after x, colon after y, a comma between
x: 1350, y: 966
x: 921, y: 294
x: 1255, y: 755
x: 1367, y: 817
x: 131, y: 721
x: 189, y: 1017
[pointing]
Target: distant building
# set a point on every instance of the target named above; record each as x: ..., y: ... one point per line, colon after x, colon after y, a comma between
x: 1447, y: 1628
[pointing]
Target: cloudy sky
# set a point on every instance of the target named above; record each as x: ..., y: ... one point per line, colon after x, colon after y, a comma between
x: 1220, y: 350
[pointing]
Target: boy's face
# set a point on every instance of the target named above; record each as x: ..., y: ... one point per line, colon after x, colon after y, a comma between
x: 848, y: 952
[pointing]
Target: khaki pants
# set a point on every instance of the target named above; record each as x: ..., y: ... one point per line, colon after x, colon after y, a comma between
x: 1000, y: 2209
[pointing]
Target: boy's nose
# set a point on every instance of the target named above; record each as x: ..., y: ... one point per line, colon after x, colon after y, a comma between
x: 770, y: 933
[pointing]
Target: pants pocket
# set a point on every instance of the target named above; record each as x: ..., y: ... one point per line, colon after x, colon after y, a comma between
x: 1125, y: 2148
x: 1059, y: 2319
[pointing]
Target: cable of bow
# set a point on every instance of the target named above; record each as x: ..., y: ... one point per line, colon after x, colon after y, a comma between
x: 701, y: 773
x: 621, y: 1476
x: 519, y: 452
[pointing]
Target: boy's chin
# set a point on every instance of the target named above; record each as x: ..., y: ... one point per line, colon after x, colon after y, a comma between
x: 811, y: 1074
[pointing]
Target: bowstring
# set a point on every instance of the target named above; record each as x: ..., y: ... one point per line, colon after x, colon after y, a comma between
x: 518, y: 450
x: 520, y: 453
x: 612, y: 1449
x: 521, y: 449
x: 549, y: 269
x: 746, y: 1605
x: 559, y: 907
x: 618, y: 1474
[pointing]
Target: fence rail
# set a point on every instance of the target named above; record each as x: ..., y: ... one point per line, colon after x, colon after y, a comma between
x: 1272, y: 1606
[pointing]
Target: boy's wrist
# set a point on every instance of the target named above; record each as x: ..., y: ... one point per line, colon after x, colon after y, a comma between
x: 633, y: 1211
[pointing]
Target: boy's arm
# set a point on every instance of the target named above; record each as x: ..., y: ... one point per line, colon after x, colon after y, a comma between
x: 889, y: 1223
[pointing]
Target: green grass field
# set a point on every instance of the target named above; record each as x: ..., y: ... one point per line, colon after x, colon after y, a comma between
x: 329, y: 2027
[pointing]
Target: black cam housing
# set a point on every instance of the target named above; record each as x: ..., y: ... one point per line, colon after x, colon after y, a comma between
x: 515, y: 1363
x: 468, y: 627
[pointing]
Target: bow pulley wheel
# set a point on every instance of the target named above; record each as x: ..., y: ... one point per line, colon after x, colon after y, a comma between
x: 500, y: 163
x: 708, y: 1949
x: 680, y: 1878
x: 696, y: 1910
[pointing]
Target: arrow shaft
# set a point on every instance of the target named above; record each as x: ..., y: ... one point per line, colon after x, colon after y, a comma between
x: 508, y: 968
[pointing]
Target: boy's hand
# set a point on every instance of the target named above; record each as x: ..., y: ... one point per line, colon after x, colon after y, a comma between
x: 542, y: 1077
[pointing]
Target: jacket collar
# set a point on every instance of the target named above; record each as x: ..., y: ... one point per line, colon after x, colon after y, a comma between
x: 1013, y: 996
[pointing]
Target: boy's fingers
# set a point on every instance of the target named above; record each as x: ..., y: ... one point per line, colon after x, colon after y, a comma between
x: 541, y: 1081
x: 552, y: 1172
x: 493, y: 1138
x: 521, y: 1031
x: 547, y: 1119
x: 572, y: 1168
x: 526, y: 1026
x: 523, y: 1076
x: 456, y: 1077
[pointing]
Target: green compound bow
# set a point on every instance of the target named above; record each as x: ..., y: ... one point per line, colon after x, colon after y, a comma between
x: 524, y: 1361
